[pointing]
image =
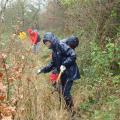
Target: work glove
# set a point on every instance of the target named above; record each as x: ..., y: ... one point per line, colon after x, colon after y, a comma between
x: 62, y: 68
x: 39, y: 71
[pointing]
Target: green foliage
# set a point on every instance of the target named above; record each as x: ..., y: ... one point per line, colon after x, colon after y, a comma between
x: 102, y: 60
x: 113, y: 13
x: 67, y: 2
x: 108, y: 110
x: 99, y: 115
x: 87, y: 105
x: 116, y: 79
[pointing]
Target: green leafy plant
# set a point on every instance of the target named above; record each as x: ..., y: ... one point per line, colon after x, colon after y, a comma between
x: 102, y: 60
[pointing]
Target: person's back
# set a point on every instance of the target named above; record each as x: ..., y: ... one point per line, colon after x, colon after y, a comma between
x: 35, y: 40
x: 38, y: 35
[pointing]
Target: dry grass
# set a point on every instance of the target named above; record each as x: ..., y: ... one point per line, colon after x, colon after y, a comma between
x: 32, y: 93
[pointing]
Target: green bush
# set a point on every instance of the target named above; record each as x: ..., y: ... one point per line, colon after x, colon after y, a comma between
x: 102, y: 60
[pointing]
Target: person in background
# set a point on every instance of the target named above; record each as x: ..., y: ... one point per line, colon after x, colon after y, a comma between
x: 34, y: 39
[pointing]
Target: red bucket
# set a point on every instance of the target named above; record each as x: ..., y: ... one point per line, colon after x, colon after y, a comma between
x: 53, y: 77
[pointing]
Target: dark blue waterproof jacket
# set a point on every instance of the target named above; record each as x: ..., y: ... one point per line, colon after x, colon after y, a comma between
x: 62, y: 54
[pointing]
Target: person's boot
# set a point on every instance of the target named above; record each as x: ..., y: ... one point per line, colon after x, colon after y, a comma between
x: 70, y: 105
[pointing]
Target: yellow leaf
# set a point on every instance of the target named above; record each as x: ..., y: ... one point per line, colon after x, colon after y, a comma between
x: 22, y: 36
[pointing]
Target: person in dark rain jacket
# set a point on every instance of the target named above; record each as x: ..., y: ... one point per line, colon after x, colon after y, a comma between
x: 63, y: 57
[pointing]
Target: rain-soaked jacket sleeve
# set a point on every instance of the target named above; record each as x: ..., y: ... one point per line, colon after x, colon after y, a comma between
x: 48, y: 68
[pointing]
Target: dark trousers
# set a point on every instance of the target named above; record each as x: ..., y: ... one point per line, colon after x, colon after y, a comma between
x: 66, y: 88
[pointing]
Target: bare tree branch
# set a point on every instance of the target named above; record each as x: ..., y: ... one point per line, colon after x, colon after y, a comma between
x: 3, y: 8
